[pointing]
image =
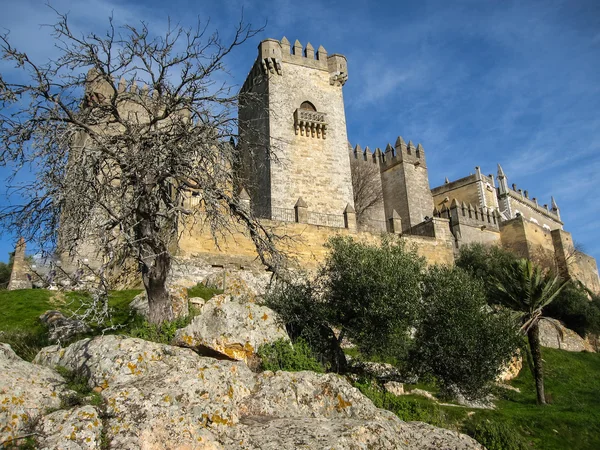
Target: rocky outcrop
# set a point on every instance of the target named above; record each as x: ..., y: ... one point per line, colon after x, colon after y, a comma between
x: 512, y: 369
x: 26, y: 392
x: 73, y: 429
x: 231, y: 327
x: 554, y: 334
x: 158, y: 396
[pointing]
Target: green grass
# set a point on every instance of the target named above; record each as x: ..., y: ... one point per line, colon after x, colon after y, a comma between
x: 570, y: 421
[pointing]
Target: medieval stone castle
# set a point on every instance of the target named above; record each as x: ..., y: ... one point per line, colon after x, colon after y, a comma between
x: 297, y: 165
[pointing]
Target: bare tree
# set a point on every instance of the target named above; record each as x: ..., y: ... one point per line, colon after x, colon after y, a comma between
x: 366, y: 185
x: 115, y: 170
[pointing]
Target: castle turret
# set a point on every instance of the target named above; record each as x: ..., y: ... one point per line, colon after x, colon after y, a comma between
x: 293, y: 129
x: 555, y: 209
x: 406, y: 183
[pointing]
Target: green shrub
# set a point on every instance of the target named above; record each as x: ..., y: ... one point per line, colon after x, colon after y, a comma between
x: 573, y: 307
x: 459, y: 339
x: 200, y: 290
x: 280, y: 355
x: 494, y: 435
x: 163, y: 333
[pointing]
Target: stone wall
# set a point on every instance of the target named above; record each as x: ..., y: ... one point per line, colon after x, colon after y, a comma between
x: 304, y: 243
x: 527, y: 208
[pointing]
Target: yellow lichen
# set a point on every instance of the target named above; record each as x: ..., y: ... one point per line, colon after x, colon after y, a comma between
x: 342, y: 404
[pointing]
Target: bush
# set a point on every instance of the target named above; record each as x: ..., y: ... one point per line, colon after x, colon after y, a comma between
x: 281, y: 355
x: 485, y: 263
x: 494, y: 435
x: 575, y: 310
x: 372, y: 293
x: 459, y: 339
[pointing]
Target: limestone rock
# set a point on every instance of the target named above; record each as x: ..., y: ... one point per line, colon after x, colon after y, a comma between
x: 231, y: 328
x: 26, y: 392
x: 156, y: 394
x: 62, y: 328
x: 74, y: 429
x: 395, y: 388
x: 569, y: 341
x: 179, y: 302
x: 512, y: 369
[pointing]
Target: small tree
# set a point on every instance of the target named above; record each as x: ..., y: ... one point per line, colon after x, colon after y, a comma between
x: 459, y: 339
x: 527, y: 289
x: 115, y: 167
x: 366, y: 187
x: 372, y: 293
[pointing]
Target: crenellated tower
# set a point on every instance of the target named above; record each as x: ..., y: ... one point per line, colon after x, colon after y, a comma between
x: 406, y: 183
x: 293, y: 130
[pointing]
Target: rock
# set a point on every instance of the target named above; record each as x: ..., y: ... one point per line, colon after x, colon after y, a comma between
x: 157, y: 394
x: 565, y: 339
x: 62, y: 328
x: 380, y: 371
x: 233, y: 329
x: 26, y: 392
x: 73, y: 429
x: 423, y: 393
x: 197, y: 302
x: 512, y: 369
x: 395, y: 388
x: 179, y: 302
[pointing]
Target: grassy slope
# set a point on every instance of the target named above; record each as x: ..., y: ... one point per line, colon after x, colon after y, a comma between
x: 572, y: 421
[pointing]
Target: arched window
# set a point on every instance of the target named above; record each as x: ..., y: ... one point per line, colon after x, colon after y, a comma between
x: 308, y: 106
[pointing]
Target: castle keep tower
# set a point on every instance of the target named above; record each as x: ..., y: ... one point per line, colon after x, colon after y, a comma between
x: 293, y: 131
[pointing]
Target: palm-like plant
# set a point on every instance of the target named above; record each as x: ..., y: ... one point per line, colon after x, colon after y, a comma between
x: 526, y: 288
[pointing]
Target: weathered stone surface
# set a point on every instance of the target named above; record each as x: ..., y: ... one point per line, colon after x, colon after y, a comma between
x: 71, y: 429
x: 62, y: 328
x: 512, y: 369
x: 179, y: 302
x: 395, y: 388
x: 232, y: 328
x: 569, y: 340
x: 26, y: 392
x: 157, y: 394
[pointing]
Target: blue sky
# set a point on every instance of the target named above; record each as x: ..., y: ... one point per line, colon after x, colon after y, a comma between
x: 476, y: 82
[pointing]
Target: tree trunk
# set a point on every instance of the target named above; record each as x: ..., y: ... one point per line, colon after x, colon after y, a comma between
x: 533, y: 336
x: 155, y: 280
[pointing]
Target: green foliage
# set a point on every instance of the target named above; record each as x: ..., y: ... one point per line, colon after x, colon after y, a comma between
x: 573, y: 307
x: 281, y: 355
x: 81, y: 393
x: 459, y: 339
x: 372, y: 293
x: 409, y: 408
x: 485, y: 263
x: 494, y: 435
x: 162, y: 333
x: 200, y: 290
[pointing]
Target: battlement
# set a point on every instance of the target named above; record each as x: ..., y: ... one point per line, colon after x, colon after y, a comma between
x: 401, y: 152
x: 272, y: 53
x: 100, y: 89
x: 461, y: 213
x: 366, y: 156
x: 522, y: 196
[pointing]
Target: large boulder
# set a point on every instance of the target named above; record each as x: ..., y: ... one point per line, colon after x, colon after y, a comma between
x: 232, y: 328
x: 157, y: 396
x: 27, y: 391
x: 71, y: 429
x: 554, y: 334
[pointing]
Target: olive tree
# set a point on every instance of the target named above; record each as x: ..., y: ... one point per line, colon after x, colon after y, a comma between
x: 118, y: 130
